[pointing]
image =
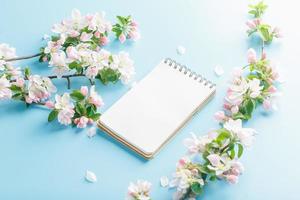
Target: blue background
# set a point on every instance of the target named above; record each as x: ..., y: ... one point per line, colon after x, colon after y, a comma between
x: 48, y: 161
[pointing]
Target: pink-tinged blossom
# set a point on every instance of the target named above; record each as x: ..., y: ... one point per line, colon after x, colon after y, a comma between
x: 81, y: 122
x: 182, y: 176
x: 92, y: 72
x: 19, y: 82
x: 233, y: 173
x: 65, y: 116
x: 139, y: 190
x: 85, y: 37
x: 244, y: 135
x: 72, y: 53
x: 49, y: 104
x: 197, y: 144
x: 13, y: 72
x: 58, y: 61
x: 5, y: 92
x: 40, y: 88
x: 220, y: 116
x: 254, y: 88
x: 104, y: 41
x: 94, y: 98
x: 63, y: 102
x: 251, y: 56
x: 122, y: 38
x: 84, y: 90
x: 65, y: 108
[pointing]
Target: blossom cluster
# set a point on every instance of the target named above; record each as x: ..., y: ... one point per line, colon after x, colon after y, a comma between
x: 78, y: 108
x: 139, y: 190
x: 126, y: 28
x: 215, y: 156
x: 16, y: 85
x: 77, y: 46
x: 265, y: 31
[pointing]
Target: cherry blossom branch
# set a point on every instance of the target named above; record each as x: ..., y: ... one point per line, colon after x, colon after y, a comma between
x: 22, y: 57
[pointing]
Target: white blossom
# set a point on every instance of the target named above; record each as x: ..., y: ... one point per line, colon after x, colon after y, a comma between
x: 139, y: 190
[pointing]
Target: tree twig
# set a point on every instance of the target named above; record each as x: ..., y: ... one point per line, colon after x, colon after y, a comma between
x: 23, y: 57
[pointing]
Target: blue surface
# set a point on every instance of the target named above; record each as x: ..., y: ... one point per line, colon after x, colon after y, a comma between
x: 47, y: 161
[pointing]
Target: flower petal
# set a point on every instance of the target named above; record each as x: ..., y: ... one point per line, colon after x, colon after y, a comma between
x: 90, y: 176
x: 164, y: 181
x: 219, y: 71
x: 180, y: 50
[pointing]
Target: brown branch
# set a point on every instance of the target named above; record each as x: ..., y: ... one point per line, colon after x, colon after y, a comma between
x: 23, y: 57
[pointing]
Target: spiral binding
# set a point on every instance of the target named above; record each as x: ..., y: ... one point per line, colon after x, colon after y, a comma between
x: 189, y: 72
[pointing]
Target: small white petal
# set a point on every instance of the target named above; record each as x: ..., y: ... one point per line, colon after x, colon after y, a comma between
x: 91, y: 132
x: 164, y: 181
x: 90, y: 176
x: 180, y: 50
x: 219, y: 71
x: 46, y: 37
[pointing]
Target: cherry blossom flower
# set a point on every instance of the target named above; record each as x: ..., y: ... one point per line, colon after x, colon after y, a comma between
x: 139, y: 190
x: 198, y: 144
x: 81, y: 122
x: 63, y: 102
x: 65, y: 116
x: 245, y: 135
x: 5, y: 92
x: 220, y: 116
x: 39, y: 88
x: 251, y: 55
x: 254, y: 88
x: 124, y: 65
x: 94, y: 98
x: 184, y: 176
x: 65, y: 108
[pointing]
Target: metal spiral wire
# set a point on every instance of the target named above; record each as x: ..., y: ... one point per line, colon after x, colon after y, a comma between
x: 189, y: 72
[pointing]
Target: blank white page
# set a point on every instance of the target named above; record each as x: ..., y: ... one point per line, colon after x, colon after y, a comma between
x: 152, y: 111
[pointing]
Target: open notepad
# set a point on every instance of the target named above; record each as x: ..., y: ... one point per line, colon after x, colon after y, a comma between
x: 149, y: 114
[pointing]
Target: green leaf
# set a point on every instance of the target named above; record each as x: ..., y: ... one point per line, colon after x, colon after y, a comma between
x: 52, y: 115
x: 249, y: 106
x: 27, y: 72
x: 74, y: 65
x: 77, y: 95
x: 240, y: 150
x: 54, y: 38
x: 95, y: 116
x: 107, y: 75
x: 239, y: 116
x: 232, y: 153
x: 196, y: 188
x: 80, y: 109
x: 223, y: 135
x: 15, y: 88
x: 265, y: 33
x: 17, y: 96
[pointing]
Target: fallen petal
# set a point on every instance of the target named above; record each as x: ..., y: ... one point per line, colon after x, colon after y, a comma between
x: 164, y: 181
x: 90, y: 176
x: 180, y: 50
x: 219, y: 71
x: 91, y: 132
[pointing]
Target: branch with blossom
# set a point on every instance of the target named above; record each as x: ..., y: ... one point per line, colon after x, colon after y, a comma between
x: 216, y: 156
x: 75, y: 50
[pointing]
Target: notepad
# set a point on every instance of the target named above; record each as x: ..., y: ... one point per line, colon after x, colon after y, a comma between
x: 151, y: 113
